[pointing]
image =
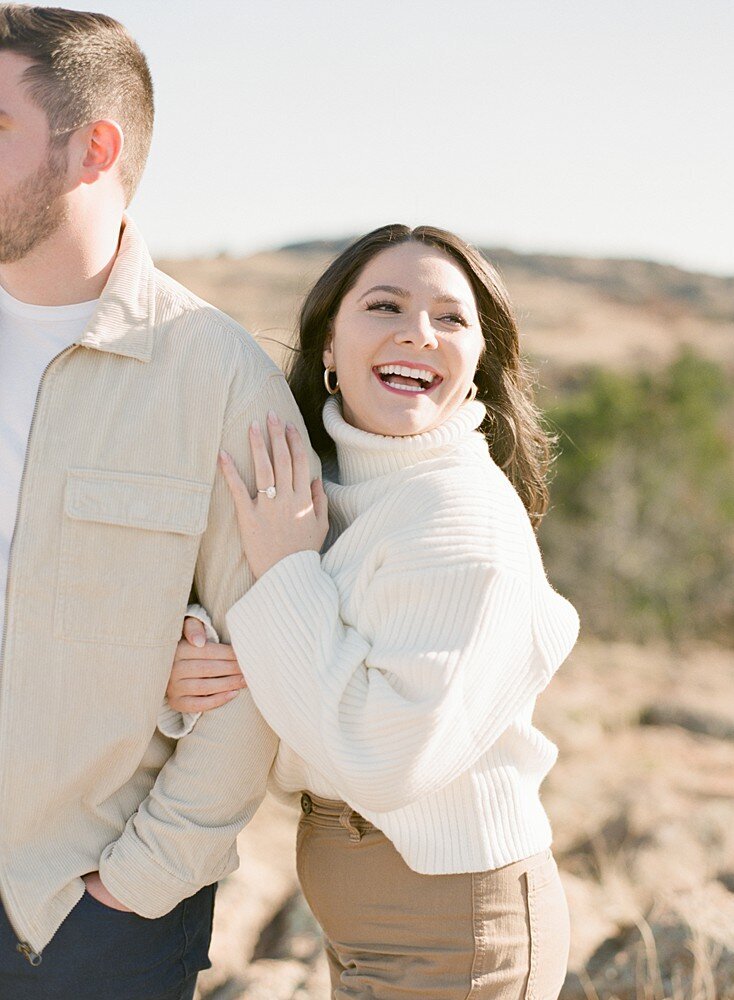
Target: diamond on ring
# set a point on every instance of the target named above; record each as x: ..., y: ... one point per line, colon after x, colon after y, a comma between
x: 270, y: 492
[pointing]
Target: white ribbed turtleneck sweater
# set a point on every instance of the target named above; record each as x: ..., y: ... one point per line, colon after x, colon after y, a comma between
x: 400, y: 669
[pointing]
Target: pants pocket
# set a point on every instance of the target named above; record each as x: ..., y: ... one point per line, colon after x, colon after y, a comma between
x: 549, y: 932
x: 102, y: 952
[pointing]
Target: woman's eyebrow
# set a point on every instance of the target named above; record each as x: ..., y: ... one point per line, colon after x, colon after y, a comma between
x: 403, y: 293
x: 450, y: 300
x: 392, y: 289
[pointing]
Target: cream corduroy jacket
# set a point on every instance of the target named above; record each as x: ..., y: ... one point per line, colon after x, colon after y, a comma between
x: 120, y: 509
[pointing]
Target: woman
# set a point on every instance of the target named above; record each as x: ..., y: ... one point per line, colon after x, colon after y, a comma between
x: 400, y: 668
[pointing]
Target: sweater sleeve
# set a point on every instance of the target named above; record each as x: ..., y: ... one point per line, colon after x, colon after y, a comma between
x: 456, y: 631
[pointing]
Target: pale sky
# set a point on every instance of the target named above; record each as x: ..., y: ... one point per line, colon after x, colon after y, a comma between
x: 572, y: 126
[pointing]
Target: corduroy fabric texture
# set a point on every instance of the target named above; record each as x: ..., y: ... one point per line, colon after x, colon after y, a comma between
x: 120, y: 509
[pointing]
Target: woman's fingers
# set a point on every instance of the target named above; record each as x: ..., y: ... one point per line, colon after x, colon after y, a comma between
x: 299, y: 461
x: 287, y: 470
x: 187, y: 670
x: 320, y: 501
x: 194, y: 632
x: 279, y: 519
x: 202, y: 703
x: 205, y: 678
x: 218, y: 656
x: 191, y: 687
x: 282, y: 465
x: 237, y: 488
x: 264, y: 475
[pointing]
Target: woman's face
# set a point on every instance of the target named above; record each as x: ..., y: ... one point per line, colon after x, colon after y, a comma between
x: 405, y: 342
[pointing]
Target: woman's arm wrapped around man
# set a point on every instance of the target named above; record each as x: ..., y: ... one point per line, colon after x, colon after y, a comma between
x: 456, y: 631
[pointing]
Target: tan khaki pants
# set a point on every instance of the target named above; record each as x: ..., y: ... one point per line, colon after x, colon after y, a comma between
x: 392, y: 933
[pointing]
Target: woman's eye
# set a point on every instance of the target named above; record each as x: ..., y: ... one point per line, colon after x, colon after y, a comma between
x: 454, y: 318
x: 384, y: 306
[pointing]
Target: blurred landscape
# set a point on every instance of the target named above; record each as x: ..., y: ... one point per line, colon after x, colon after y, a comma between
x: 635, y: 363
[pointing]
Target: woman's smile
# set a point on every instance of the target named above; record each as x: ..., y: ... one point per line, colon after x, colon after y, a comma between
x: 407, y: 378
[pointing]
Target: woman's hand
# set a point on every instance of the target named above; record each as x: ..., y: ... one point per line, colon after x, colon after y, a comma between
x: 205, y: 674
x: 295, y: 517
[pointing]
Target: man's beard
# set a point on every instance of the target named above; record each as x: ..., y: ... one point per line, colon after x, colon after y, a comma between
x: 33, y: 210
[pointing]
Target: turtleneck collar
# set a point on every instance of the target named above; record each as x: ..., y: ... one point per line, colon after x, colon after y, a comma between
x: 362, y: 456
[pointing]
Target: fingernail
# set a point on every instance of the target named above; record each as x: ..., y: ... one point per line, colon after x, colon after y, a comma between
x: 290, y: 427
x: 199, y: 640
x: 225, y: 456
x: 231, y: 694
x: 255, y: 427
x: 272, y: 416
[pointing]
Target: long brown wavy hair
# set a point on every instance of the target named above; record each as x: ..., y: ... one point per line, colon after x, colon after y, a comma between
x: 518, y: 442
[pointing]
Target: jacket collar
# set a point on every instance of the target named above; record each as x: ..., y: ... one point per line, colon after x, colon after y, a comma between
x: 124, y: 320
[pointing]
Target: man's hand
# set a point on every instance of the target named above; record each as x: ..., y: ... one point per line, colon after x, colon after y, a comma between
x: 95, y: 888
x: 205, y: 674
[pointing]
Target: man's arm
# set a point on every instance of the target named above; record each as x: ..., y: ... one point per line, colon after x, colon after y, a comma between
x: 183, y: 835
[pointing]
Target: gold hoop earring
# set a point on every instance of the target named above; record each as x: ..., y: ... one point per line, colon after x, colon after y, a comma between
x: 472, y: 393
x: 327, y: 381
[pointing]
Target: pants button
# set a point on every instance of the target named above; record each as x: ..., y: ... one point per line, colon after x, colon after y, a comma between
x: 306, y: 804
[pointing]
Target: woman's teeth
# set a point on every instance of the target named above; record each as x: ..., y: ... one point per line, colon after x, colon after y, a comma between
x: 402, y: 377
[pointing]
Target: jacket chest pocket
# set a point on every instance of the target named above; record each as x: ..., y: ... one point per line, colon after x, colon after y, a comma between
x: 127, y: 555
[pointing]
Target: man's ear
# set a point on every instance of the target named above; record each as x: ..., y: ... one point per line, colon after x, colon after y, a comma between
x: 103, y: 145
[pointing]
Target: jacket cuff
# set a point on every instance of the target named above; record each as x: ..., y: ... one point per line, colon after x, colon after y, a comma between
x: 138, y: 881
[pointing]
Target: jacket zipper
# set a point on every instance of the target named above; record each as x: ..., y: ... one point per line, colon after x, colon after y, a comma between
x: 31, y: 956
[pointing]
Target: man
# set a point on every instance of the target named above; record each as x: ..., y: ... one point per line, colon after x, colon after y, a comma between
x: 117, y: 390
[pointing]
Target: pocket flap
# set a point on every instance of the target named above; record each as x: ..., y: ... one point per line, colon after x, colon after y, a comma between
x: 154, y: 503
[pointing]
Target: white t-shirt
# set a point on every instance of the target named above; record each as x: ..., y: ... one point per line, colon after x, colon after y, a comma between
x: 30, y: 337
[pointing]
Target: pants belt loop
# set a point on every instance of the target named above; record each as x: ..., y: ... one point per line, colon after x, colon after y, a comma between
x: 345, y: 820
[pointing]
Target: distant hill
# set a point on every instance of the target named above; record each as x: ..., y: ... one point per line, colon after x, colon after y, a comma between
x: 634, y: 282
x: 573, y: 311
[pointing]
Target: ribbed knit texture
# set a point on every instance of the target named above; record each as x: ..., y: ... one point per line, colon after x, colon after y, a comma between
x: 122, y: 508
x: 401, y: 668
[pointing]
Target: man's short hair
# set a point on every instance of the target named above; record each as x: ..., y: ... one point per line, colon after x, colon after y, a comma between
x: 85, y: 67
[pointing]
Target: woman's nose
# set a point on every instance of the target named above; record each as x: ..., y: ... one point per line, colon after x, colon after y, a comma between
x: 418, y: 330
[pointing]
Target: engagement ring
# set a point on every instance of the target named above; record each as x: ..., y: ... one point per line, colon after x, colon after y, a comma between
x: 270, y: 492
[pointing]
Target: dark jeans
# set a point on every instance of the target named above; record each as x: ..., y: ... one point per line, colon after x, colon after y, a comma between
x: 104, y: 954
